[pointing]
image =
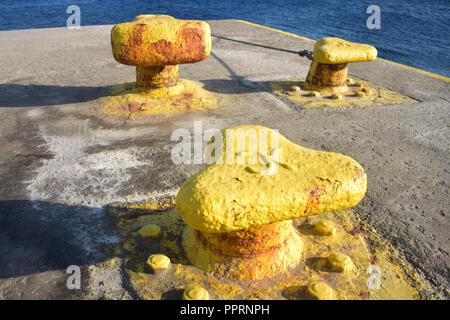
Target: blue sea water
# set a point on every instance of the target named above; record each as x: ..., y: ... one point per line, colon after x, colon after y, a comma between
x: 413, y: 32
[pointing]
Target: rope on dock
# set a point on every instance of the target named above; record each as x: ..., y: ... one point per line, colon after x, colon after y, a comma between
x: 302, y: 53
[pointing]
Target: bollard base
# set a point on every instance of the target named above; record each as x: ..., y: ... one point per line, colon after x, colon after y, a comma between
x: 127, y: 101
x: 367, y: 250
x: 359, y: 94
x: 256, y: 254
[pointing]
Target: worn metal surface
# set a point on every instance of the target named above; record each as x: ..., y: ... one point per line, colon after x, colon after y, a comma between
x: 158, y: 40
x: 156, y: 45
x: 327, y: 77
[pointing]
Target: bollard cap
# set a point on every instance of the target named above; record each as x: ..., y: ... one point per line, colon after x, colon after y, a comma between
x: 335, y: 50
x: 286, y: 183
x: 159, y: 40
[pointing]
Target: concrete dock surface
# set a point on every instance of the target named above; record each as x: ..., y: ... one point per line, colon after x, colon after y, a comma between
x: 61, y: 163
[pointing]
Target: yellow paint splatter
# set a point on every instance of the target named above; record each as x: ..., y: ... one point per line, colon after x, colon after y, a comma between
x: 226, y: 197
x: 353, y: 98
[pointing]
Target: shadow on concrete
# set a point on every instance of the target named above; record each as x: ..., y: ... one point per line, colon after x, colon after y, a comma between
x: 318, y: 264
x: 40, y: 236
x: 33, y: 95
x: 236, y: 85
x: 232, y: 86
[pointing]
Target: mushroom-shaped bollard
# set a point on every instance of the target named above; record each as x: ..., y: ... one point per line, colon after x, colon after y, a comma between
x: 195, y: 293
x: 156, y: 45
x: 239, y: 209
x: 328, y: 71
x: 158, y: 263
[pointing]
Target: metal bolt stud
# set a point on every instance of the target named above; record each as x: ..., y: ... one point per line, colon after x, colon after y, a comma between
x: 340, y: 262
x: 158, y: 263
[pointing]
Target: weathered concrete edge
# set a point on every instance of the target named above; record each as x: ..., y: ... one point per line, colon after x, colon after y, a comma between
x: 427, y: 73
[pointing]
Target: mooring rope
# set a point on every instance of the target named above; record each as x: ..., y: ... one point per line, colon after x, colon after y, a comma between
x: 302, y: 53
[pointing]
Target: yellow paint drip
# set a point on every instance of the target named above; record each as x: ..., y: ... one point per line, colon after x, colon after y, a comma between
x: 128, y: 102
x: 354, y: 97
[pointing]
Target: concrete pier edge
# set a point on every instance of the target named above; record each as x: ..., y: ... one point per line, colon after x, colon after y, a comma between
x: 61, y: 163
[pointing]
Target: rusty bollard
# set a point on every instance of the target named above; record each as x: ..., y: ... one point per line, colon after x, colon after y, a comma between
x: 328, y: 71
x: 239, y: 214
x: 156, y: 45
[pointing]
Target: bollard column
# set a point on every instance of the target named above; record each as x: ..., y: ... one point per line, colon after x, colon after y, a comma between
x: 328, y: 70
